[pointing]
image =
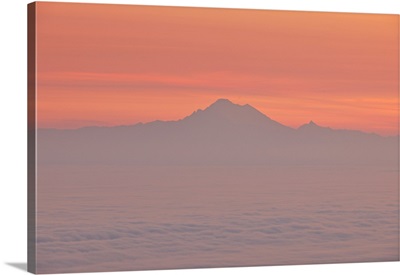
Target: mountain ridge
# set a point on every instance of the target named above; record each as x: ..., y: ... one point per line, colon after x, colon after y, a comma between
x: 225, y: 111
x: 222, y: 134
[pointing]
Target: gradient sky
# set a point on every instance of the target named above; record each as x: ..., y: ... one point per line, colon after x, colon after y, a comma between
x: 118, y: 64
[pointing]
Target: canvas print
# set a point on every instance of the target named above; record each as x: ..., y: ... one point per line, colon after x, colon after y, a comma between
x: 173, y: 137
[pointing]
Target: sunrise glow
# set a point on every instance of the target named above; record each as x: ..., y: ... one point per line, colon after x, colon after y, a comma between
x: 117, y: 64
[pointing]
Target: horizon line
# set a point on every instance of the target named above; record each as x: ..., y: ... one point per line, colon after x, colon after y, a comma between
x: 219, y: 100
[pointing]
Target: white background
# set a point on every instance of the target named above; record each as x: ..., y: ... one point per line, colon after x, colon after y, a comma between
x: 13, y: 132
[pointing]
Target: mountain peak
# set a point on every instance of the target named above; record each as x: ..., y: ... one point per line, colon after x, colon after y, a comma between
x: 313, y: 127
x: 225, y: 112
x: 227, y: 107
x: 310, y: 125
x: 222, y: 102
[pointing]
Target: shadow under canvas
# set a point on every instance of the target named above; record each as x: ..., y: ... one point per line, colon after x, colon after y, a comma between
x: 20, y: 266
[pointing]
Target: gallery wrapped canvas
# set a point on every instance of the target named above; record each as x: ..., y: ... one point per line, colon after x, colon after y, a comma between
x: 173, y: 137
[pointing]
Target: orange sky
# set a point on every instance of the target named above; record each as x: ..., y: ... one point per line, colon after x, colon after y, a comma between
x: 118, y: 64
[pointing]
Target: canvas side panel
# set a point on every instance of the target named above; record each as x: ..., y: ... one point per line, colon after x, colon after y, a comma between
x: 32, y: 137
x: 398, y: 136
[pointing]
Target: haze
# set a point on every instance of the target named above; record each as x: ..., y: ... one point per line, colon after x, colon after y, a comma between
x: 224, y: 186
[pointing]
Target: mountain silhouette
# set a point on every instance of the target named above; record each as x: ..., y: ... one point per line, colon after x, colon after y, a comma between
x: 224, y: 111
x: 222, y: 133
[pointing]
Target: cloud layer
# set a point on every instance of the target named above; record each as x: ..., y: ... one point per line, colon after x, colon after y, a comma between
x: 156, y: 218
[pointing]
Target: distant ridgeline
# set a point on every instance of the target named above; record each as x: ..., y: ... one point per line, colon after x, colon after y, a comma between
x: 223, y: 133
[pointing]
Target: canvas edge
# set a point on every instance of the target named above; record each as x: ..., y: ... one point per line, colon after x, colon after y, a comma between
x: 398, y: 137
x: 31, y: 123
x: 31, y: 100
x: 208, y: 6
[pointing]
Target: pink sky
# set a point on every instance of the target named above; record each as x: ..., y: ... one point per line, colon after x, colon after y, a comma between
x: 118, y: 64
